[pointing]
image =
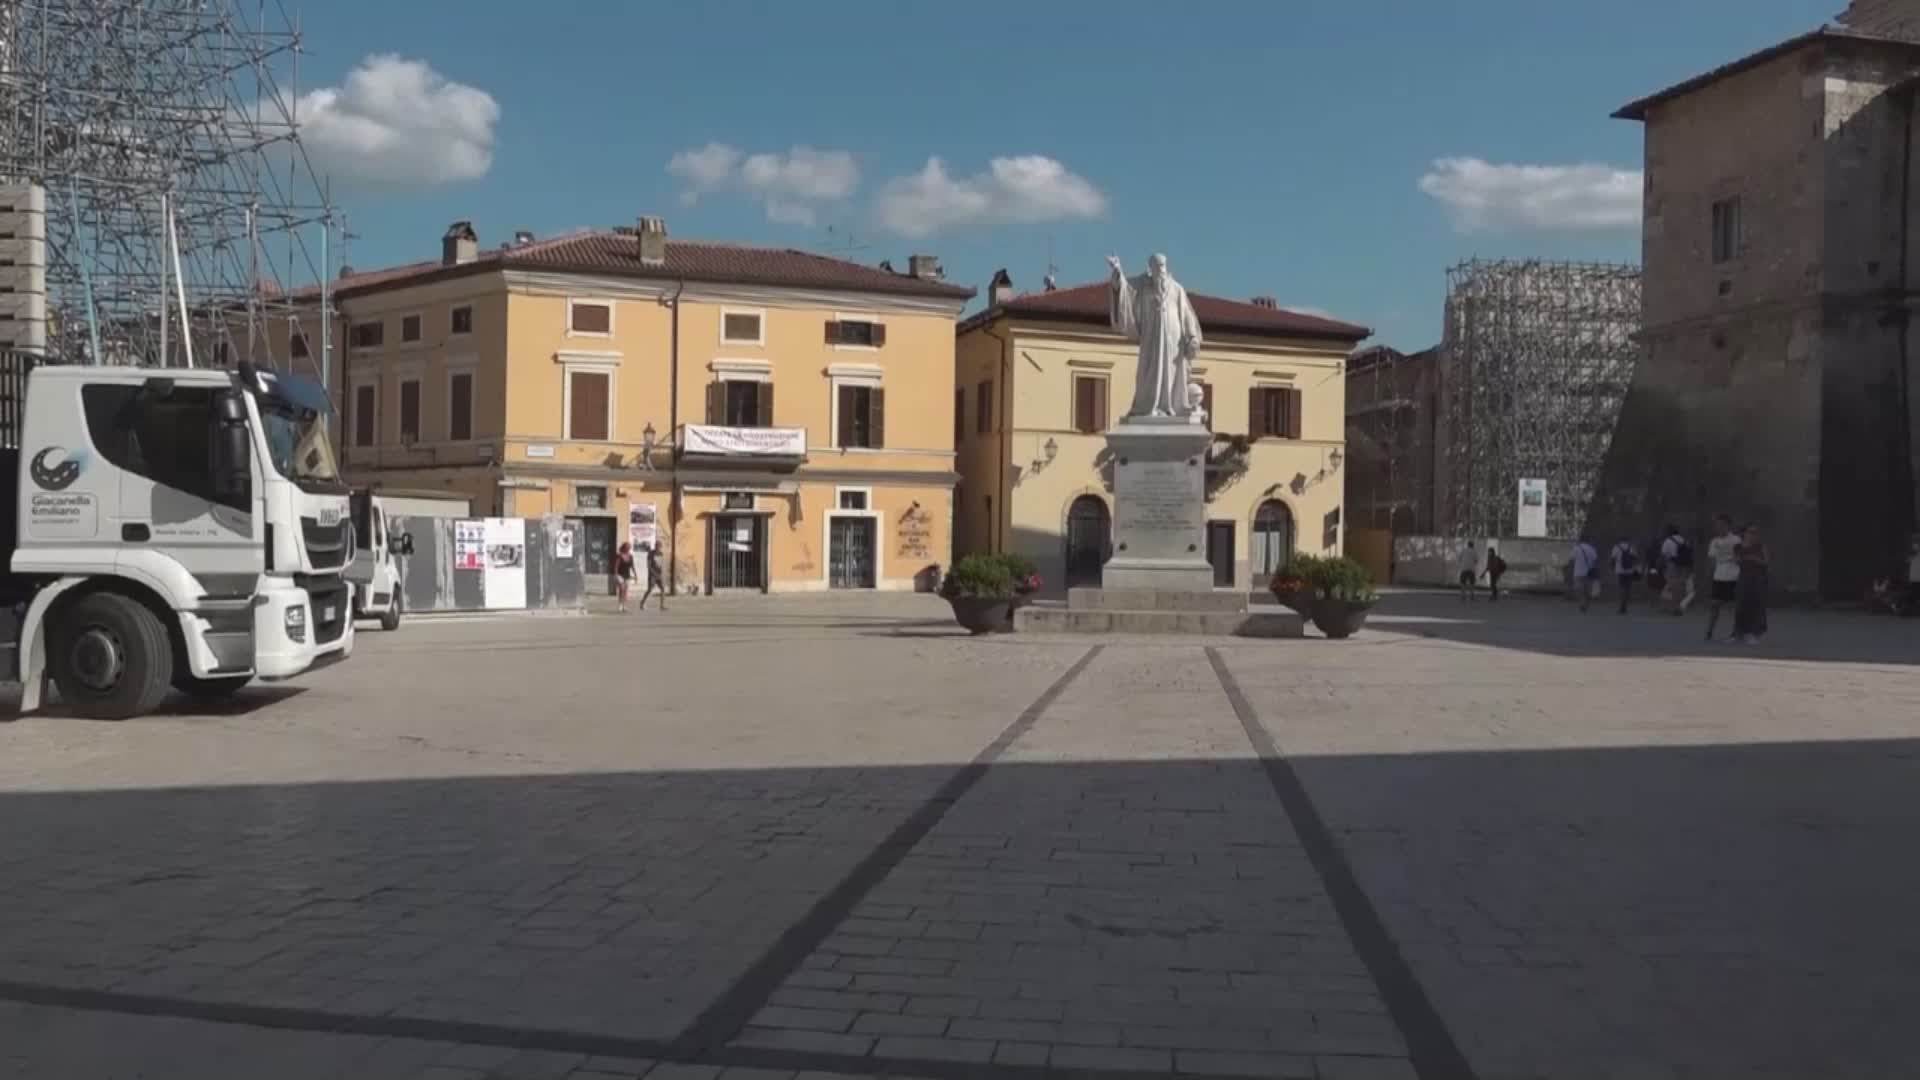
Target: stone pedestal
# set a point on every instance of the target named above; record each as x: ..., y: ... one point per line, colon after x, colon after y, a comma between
x: 1159, y: 506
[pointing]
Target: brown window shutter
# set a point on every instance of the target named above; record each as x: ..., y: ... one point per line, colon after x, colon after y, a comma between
x: 1257, y: 413
x: 1102, y: 390
x: 716, y: 402
x: 843, y: 427
x: 1082, y: 405
x: 590, y: 390
x: 363, y: 416
x: 763, y: 404
x: 879, y: 334
x: 877, y: 418
x: 460, y: 408
x: 833, y: 332
x: 1294, y: 399
x: 1206, y: 402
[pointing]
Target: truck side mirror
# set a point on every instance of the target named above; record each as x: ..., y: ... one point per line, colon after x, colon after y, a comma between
x: 232, y: 450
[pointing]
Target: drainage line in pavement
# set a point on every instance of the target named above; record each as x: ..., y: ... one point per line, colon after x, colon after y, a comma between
x: 1434, y: 1054
x: 735, y: 1008
x: 282, y: 1018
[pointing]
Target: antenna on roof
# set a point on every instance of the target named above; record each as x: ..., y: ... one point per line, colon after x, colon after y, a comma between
x: 1052, y: 279
x: 843, y: 243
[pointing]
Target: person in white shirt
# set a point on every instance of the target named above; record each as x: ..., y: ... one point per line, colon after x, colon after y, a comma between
x: 1467, y: 565
x: 1723, y: 551
x: 1676, y: 558
x: 1586, y: 571
x: 1626, y: 570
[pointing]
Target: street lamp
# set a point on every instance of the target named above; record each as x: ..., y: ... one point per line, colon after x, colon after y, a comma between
x: 648, y: 438
x: 1052, y: 450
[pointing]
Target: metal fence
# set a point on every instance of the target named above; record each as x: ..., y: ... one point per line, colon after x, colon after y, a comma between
x: 430, y: 581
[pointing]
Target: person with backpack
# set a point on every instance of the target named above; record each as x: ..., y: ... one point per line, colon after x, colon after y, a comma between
x: 1496, y: 567
x: 1676, y: 554
x: 1626, y: 570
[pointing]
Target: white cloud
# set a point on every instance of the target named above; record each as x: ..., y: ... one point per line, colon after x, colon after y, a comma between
x: 1023, y: 190
x: 397, y: 123
x: 791, y: 186
x: 1481, y: 196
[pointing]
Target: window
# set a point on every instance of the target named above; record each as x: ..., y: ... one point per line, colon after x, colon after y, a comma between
x: 409, y: 412
x: 740, y: 403
x: 460, y: 406
x: 740, y: 327
x: 1727, y: 238
x: 853, y: 500
x: 959, y: 415
x: 363, y: 414
x: 298, y: 346
x: 590, y: 498
x: 1089, y: 403
x: 165, y: 436
x: 462, y: 321
x: 1273, y: 411
x: 862, y: 414
x: 983, y: 408
x: 410, y: 328
x: 368, y: 335
x: 589, y: 317
x: 860, y: 332
x: 589, y: 405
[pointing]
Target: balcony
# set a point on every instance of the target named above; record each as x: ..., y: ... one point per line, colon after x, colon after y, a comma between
x: 761, y: 447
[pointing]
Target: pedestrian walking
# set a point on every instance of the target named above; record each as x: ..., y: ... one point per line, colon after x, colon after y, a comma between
x: 1723, y: 551
x: 1586, y: 571
x: 1676, y: 556
x: 623, y: 573
x: 1750, y: 604
x: 1496, y: 568
x: 656, y: 582
x: 1469, y: 564
x: 1626, y: 570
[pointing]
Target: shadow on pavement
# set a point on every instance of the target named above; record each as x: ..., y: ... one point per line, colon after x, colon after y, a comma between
x: 246, y: 701
x: 1712, y: 912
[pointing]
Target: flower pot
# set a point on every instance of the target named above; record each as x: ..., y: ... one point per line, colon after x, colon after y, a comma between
x: 1340, y: 618
x: 984, y: 614
x: 1300, y: 600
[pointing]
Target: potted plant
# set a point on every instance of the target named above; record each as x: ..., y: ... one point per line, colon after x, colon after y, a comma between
x: 1026, y: 577
x: 981, y: 589
x: 1335, y: 592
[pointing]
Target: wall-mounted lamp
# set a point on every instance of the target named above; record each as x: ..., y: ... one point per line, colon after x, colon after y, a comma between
x: 1334, y: 459
x: 648, y: 439
x: 1048, y: 452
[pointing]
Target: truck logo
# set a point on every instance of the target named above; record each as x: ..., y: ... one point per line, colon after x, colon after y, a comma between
x: 59, y: 475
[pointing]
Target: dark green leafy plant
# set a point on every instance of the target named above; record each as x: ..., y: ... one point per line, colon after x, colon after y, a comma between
x: 1333, y: 577
x: 980, y: 576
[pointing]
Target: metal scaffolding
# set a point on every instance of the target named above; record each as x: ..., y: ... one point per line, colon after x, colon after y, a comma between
x: 1538, y: 359
x: 160, y: 141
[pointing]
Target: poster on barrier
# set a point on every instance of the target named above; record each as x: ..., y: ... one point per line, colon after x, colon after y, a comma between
x: 469, y: 545
x: 1533, y: 507
x: 505, y: 583
x: 643, y: 525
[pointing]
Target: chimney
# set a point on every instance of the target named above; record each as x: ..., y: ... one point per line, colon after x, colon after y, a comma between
x: 460, y: 245
x: 345, y: 271
x: 925, y: 267
x: 1266, y: 302
x: 1001, y: 289
x: 522, y: 237
x: 653, y: 241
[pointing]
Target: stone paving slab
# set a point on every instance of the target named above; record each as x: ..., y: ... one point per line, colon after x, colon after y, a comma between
x: 1153, y: 914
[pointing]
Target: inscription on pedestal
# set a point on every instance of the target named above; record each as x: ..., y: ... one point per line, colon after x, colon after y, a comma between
x: 1158, y: 507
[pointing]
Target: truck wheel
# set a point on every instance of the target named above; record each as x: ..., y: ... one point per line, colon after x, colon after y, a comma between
x: 110, y: 657
x: 390, y: 618
x: 217, y: 686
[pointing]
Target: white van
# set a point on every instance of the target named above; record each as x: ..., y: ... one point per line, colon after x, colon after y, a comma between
x: 376, y: 567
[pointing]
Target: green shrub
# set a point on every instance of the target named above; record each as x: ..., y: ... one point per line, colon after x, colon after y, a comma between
x: 979, y: 575
x: 1334, y: 576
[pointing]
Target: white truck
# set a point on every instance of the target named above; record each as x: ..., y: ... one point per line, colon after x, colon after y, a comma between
x: 167, y: 528
x: 375, y: 570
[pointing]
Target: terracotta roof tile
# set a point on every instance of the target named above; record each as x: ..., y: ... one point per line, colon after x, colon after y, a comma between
x: 1088, y: 303
x: 617, y: 252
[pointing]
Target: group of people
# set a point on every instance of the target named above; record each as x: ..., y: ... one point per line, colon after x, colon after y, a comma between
x: 1739, y: 562
x: 626, y: 568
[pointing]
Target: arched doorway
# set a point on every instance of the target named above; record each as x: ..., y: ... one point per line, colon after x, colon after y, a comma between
x: 1272, y: 540
x: 1089, y: 541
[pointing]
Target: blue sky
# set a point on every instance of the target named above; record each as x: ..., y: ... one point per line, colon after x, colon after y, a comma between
x: 1272, y: 147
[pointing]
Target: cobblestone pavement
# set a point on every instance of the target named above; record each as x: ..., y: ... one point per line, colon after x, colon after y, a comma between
x: 827, y: 836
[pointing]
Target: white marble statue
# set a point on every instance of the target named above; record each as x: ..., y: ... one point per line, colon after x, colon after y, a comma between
x: 1154, y: 309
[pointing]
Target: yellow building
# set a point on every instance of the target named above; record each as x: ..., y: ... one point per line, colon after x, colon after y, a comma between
x: 1041, y: 376
x: 776, y: 419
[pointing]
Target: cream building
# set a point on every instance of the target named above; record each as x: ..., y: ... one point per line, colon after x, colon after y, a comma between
x: 1041, y: 376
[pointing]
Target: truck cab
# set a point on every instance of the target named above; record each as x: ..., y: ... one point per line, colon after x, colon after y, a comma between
x: 376, y: 567
x: 172, y: 528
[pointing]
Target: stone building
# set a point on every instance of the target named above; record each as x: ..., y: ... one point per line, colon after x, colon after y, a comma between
x: 1779, y: 256
x: 1393, y: 403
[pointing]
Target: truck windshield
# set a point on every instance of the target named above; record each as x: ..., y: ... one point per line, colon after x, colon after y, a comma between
x: 298, y: 440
